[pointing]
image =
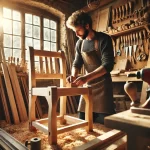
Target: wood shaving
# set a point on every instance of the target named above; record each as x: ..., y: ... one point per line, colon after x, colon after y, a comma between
x: 66, y: 141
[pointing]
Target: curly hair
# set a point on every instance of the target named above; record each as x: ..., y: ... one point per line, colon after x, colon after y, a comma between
x: 79, y: 18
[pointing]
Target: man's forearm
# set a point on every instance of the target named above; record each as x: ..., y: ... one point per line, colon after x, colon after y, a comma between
x: 74, y: 71
x: 96, y: 73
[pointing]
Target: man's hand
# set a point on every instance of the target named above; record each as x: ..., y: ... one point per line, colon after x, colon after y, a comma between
x: 70, y: 79
x: 80, y: 80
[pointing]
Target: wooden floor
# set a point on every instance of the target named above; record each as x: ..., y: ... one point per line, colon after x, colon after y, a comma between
x: 68, y: 140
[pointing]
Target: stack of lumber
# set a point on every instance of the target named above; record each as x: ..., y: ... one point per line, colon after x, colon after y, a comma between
x: 14, y: 99
x: 11, y: 95
x: 14, y: 93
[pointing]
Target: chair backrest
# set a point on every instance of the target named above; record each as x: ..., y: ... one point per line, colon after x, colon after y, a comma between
x: 46, y: 65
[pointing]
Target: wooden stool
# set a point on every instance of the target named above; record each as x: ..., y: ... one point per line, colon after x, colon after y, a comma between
x: 55, y: 68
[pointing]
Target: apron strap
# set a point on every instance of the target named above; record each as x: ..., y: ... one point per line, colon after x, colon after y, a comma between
x: 96, y: 45
x: 82, y: 45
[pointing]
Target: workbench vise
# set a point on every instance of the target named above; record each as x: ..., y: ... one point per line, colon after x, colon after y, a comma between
x: 130, y: 88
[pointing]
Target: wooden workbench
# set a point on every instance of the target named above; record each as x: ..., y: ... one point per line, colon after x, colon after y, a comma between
x: 136, y: 126
x: 122, y: 77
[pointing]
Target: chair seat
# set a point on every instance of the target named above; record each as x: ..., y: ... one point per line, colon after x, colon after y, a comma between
x: 61, y: 91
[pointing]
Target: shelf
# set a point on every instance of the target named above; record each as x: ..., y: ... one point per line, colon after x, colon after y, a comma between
x: 123, y: 78
x: 144, y: 26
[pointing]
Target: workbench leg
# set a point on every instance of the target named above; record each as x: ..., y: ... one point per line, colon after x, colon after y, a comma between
x: 135, y: 142
x: 131, y: 141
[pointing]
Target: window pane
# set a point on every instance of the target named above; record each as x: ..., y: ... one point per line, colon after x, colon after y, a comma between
x: 36, y: 20
x: 53, y: 36
x: 7, y: 52
x: 36, y: 32
x: 28, y: 18
x: 53, y: 24
x: 28, y: 30
x: 16, y: 28
x: 7, y: 40
x: 46, y: 45
x: 16, y: 42
x: 46, y: 34
x: 37, y: 44
x: 7, y: 13
x: 46, y: 22
x: 53, y: 47
x: 16, y: 15
x: 17, y: 53
x: 7, y: 26
x: 28, y: 42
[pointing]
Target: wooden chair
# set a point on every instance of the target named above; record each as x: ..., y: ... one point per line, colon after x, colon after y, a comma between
x: 53, y: 70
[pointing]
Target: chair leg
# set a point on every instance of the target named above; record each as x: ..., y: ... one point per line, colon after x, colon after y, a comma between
x: 63, y: 100
x: 89, y: 112
x: 32, y: 115
x: 52, y: 122
x: 52, y: 115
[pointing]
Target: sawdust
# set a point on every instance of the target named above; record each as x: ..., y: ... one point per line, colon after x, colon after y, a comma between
x: 66, y: 141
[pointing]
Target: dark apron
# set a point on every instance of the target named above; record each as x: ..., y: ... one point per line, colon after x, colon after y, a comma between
x: 102, y: 90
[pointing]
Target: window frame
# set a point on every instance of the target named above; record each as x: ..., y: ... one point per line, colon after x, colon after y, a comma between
x: 22, y: 8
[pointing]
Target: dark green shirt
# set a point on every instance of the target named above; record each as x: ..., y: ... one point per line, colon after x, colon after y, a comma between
x: 105, y: 47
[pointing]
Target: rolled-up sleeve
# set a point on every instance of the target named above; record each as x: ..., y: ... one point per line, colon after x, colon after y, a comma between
x: 107, y: 53
x: 78, y: 61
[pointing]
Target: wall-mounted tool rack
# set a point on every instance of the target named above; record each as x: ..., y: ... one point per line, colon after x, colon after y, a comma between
x: 130, y: 32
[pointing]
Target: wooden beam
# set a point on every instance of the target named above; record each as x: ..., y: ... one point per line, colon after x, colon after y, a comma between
x: 4, y: 102
x: 10, y: 142
x: 101, y: 4
x: 101, y: 141
x: 10, y: 93
x: 17, y: 92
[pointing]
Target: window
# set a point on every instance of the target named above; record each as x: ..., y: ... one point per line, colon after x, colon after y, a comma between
x: 32, y: 32
x: 21, y: 30
x: 11, y: 33
x: 49, y: 35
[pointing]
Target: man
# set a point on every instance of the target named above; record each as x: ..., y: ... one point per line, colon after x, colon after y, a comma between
x: 94, y: 50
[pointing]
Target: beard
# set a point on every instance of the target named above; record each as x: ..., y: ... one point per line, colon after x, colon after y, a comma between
x: 86, y: 32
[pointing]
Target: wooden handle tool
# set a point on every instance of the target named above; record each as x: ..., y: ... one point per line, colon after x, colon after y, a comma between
x: 130, y: 8
x: 117, y: 12
x: 123, y: 11
x: 113, y: 15
x: 126, y: 7
x: 120, y: 13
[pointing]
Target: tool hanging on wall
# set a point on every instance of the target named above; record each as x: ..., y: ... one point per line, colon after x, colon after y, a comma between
x: 121, y: 43
x: 126, y: 10
x: 120, y: 13
x: 117, y: 15
x: 118, y: 51
x: 142, y: 55
x: 130, y: 47
x: 134, y: 47
x: 123, y: 11
x: 126, y: 46
x: 114, y: 47
x: 130, y: 3
x: 113, y: 15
